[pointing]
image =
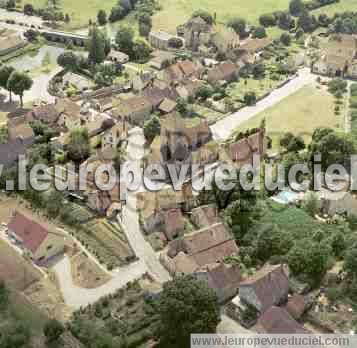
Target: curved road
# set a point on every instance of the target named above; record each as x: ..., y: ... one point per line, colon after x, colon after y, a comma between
x: 224, y: 128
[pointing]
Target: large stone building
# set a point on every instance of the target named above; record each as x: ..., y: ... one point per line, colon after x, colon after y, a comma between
x: 339, y: 59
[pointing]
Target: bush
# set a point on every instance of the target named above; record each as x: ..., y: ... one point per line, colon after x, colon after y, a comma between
x: 268, y: 20
x: 53, y: 330
x: 259, y: 33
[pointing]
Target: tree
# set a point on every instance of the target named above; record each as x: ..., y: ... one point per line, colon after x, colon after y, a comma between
x: 175, y: 42
x: 125, y: 39
x: 259, y: 33
x: 258, y: 70
x: 292, y: 143
x: 309, y: 258
x: 68, y: 60
x: 307, y: 22
x: 239, y: 26
x: 205, y: 15
x: 116, y: 13
x: 250, y: 98
x: 53, y: 330
x: 31, y: 35
x: 351, y: 261
x: 67, y: 18
x: 144, y: 29
x: 205, y: 92
x: 79, y: 145
x: 5, y: 73
x: 285, y: 21
x: 11, y: 4
x: 152, y: 128
x: 311, y: 204
x: 296, y: 7
x: 102, y: 17
x: 29, y: 9
x: 96, y: 47
x: 4, y: 295
x: 54, y: 204
x: 105, y: 74
x: 141, y: 49
x: 186, y: 306
x: 267, y: 20
x: 285, y: 39
x: 19, y: 83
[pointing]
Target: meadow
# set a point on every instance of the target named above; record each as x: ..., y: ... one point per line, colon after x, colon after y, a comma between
x: 301, y: 113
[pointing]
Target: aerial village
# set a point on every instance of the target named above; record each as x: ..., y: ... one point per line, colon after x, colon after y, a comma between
x: 89, y: 269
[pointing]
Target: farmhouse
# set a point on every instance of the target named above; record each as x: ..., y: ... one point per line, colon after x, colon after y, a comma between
x: 222, y: 73
x: 38, y: 240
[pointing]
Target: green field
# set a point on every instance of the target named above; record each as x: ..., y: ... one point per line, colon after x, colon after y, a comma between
x: 176, y: 12
x: 300, y: 113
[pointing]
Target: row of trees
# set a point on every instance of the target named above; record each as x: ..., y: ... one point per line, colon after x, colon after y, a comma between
x: 15, y: 82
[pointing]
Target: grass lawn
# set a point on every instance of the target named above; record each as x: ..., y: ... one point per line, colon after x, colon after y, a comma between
x: 79, y: 11
x: 209, y: 114
x: 300, y: 113
x: 237, y: 90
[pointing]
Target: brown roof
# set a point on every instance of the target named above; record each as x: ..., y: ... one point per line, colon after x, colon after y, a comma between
x: 133, y: 104
x: 296, y: 306
x: 222, y: 72
x: 270, y: 284
x: 18, y: 128
x: 31, y: 233
x: 9, y: 42
x: 243, y: 150
x: 174, y: 223
x: 68, y: 108
x: 188, y: 68
x: 255, y: 45
x: 223, y: 276
x: 45, y: 113
x: 277, y: 320
x: 167, y: 105
x: 206, y: 246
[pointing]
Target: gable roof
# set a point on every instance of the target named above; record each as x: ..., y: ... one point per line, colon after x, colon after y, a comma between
x: 10, y: 151
x: 18, y: 128
x: 44, y: 113
x: 167, y: 105
x: 277, y: 320
x: 255, y: 45
x: 205, y: 215
x: 31, y: 233
x: 222, y: 72
x: 296, y: 306
x: 270, y: 284
x: 174, y: 223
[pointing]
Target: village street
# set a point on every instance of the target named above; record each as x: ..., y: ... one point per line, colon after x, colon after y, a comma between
x: 224, y: 128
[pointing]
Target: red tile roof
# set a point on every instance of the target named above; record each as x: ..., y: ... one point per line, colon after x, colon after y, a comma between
x: 277, y: 320
x: 296, y: 306
x: 31, y: 233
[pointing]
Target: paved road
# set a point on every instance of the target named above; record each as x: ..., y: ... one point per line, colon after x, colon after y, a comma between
x: 224, y: 128
x: 76, y: 297
x: 130, y: 217
x: 39, y: 88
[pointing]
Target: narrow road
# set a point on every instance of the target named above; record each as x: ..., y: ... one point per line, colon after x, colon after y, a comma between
x: 130, y: 216
x: 224, y: 128
x: 77, y: 297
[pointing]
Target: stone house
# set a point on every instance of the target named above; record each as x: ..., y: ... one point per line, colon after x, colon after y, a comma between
x: 112, y: 137
x: 135, y: 109
x: 142, y: 80
x: 196, y: 33
x: 70, y: 116
x: 47, y: 114
x: 242, y: 151
x: 223, y: 73
x: 205, y: 215
x: 118, y: 57
x: 268, y: 287
x: 160, y: 39
x: 224, y: 38
x: 38, y: 240
x: 182, y: 70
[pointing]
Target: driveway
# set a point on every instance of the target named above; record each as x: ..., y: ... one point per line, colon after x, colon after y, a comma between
x: 224, y: 128
x: 77, y: 297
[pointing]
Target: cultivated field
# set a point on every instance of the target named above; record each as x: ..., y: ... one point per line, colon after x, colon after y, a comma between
x: 300, y: 114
